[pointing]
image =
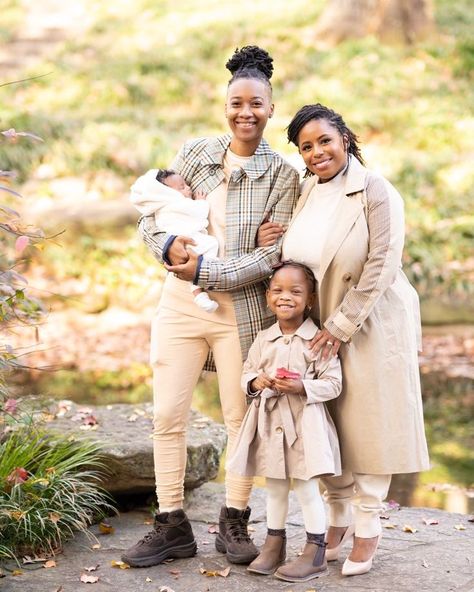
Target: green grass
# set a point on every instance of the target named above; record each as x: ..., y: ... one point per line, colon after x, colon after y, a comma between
x: 55, y: 495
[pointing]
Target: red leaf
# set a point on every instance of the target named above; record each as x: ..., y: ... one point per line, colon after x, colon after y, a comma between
x: 10, y: 406
x: 18, y: 475
x: 21, y: 243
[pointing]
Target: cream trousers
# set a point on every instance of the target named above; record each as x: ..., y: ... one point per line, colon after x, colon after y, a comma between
x: 179, y: 347
x: 356, y: 498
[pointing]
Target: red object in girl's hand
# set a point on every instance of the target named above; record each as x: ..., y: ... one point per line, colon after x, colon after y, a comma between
x: 284, y: 373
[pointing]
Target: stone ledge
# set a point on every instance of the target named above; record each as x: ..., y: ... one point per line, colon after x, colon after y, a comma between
x: 124, y: 431
x: 436, y: 558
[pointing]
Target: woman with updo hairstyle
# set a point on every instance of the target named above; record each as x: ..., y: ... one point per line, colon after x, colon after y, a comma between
x: 246, y: 183
x: 348, y: 227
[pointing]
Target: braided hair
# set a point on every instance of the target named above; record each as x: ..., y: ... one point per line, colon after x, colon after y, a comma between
x: 295, y: 265
x: 251, y: 62
x: 318, y: 111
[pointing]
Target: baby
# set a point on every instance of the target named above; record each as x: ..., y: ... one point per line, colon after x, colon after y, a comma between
x: 177, y: 211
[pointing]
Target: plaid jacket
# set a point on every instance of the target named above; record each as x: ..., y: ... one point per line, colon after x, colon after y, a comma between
x: 267, y: 185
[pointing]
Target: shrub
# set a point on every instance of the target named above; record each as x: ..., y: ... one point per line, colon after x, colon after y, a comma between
x: 48, y: 490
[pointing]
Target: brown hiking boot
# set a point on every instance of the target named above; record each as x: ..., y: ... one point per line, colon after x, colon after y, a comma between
x: 233, y: 538
x: 310, y: 564
x: 272, y: 554
x: 172, y: 536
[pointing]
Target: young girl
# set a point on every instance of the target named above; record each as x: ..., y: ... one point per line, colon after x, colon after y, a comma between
x: 287, y: 433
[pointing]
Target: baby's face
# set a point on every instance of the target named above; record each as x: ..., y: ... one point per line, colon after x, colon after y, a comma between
x: 177, y: 182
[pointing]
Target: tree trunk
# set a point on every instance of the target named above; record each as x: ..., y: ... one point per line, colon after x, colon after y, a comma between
x: 405, y: 21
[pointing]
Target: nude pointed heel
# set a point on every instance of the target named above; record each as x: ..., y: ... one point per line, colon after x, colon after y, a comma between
x: 333, y: 553
x: 357, y: 568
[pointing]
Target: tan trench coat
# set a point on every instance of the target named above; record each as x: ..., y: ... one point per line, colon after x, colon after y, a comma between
x: 366, y: 301
x: 286, y: 435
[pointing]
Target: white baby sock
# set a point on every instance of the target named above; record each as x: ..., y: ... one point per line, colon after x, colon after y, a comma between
x: 204, y: 302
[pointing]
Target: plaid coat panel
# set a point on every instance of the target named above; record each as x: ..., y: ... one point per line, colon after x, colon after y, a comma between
x: 266, y: 186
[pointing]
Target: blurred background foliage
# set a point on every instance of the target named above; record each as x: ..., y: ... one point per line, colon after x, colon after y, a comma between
x: 140, y: 78
x: 125, y: 84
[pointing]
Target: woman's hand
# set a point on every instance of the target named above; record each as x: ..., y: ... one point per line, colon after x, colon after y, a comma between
x: 325, y: 341
x: 289, y: 386
x: 185, y: 271
x: 268, y: 234
x: 177, y: 252
x: 261, y: 382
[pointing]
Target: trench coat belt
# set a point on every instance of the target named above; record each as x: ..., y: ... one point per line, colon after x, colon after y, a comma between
x: 267, y: 403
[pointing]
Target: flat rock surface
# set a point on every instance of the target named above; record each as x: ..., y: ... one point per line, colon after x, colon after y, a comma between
x: 124, y: 431
x: 436, y: 558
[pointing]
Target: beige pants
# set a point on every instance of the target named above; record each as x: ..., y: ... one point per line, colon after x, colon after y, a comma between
x: 179, y: 347
x: 356, y: 498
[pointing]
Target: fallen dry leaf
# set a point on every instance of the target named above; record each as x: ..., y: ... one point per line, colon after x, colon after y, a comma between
x: 106, y: 528
x: 389, y: 525
x: 430, y: 521
x: 17, y: 572
x: 89, y: 579
x: 424, y: 563
x: 54, y: 517
x: 214, y: 573
x: 92, y: 568
x: 120, y: 564
x: 212, y: 529
x: 50, y: 563
x: 224, y: 572
x: 149, y: 521
x: 409, y: 528
x: 459, y: 527
x: 175, y: 573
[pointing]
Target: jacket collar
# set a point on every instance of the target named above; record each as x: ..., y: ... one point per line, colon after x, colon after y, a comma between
x: 256, y: 166
x: 306, y: 331
x: 354, y: 176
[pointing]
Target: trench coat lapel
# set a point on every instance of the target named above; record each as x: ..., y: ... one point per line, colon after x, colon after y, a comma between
x: 346, y: 214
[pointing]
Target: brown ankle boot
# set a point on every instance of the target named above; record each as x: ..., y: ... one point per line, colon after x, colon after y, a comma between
x: 233, y: 538
x: 310, y: 564
x: 272, y: 554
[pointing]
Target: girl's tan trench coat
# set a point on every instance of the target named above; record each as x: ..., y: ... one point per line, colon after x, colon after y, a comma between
x: 366, y: 301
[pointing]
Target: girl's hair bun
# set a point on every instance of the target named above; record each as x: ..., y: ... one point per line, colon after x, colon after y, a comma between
x: 251, y: 57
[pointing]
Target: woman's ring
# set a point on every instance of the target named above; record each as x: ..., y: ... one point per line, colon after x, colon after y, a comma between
x: 329, y: 343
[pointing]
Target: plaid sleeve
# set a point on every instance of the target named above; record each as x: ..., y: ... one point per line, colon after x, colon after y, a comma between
x: 154, y: 238
x: 385, y: 222
x: 237, y: 272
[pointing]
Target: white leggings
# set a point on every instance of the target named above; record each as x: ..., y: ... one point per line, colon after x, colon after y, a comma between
x: 308, y: 496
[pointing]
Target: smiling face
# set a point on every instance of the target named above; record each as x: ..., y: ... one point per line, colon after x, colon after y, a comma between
x: 323, y: 148
x: 247, y: 109
x: 288, y: 295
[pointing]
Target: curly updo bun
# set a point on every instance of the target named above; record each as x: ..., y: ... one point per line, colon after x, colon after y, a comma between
x: 251, y: 57
x: 251, y: 61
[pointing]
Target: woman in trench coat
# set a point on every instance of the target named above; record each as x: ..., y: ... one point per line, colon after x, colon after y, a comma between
x: 348, y: 227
